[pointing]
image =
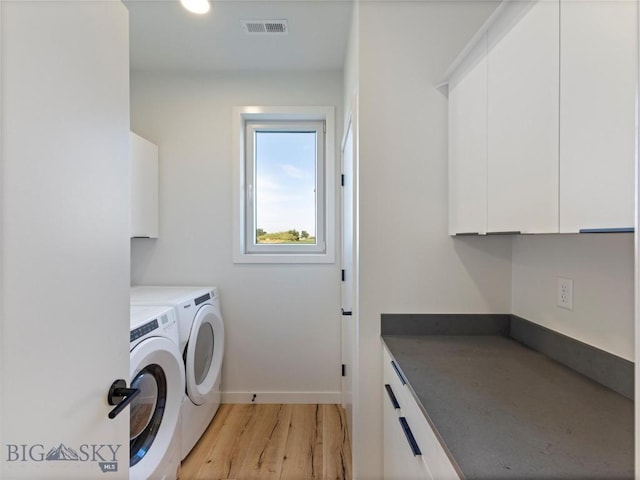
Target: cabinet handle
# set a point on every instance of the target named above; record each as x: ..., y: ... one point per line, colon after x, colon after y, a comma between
x: 507, y: 232
x: 410, y: 438
x: 466, y: 234
x: 395, y: 367
x: 392, y: 397
x: 607, y: 230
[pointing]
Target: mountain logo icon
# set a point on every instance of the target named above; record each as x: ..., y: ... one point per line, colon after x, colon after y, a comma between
x: 61, y: 452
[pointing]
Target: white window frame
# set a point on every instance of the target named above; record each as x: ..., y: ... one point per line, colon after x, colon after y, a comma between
x: 251, y: 129
x: 244, y: 248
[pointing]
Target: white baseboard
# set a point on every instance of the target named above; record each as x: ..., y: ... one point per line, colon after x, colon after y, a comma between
x: 282, y: 397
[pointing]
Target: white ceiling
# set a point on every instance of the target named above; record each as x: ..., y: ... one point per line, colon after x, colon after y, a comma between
x: 164, y: 36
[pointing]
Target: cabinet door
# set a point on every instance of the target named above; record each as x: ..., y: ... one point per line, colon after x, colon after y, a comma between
x: 468, y: 145
x: 598, y: 71
x: 523, y: 64
x: 144, y: 187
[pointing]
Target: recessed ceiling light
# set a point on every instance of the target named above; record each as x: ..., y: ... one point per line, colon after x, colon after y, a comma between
x: 196, y: 6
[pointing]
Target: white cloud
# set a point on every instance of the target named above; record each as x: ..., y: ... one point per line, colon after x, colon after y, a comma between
x: 282, y: 208
x: 294, y: 172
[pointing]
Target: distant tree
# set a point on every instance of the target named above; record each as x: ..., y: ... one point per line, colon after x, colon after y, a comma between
x: 304, y: 234
x: 260, y: 232
x: 294, y: 234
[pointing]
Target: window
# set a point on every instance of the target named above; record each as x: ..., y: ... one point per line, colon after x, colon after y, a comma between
x: 286, y: 186
x: 284, y: 172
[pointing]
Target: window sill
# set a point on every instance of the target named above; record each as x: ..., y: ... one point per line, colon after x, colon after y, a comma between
x: 309, y: 258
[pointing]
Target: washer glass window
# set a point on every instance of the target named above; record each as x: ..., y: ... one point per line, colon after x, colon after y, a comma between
x: 204, y: 352
x: 146, y: 410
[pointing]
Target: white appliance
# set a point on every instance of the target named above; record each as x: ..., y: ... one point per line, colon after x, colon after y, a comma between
x: 202, y: 346
x: 156, y: 369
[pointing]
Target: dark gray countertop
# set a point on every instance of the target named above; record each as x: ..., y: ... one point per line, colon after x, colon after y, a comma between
x: 505, y: 411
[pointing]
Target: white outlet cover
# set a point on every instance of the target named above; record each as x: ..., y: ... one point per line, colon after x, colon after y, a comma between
x: 565, y: 293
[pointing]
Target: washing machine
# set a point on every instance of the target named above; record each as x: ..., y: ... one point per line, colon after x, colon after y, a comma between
x: 201, y: 342
x: 157, y: 370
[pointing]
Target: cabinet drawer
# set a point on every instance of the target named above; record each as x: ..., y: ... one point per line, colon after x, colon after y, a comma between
x: 402, y: 456
x: 399, y: 399
x: 392, y: 376
x: 432, y: 451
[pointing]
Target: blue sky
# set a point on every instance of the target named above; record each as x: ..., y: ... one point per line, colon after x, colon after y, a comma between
x: 285, y: 184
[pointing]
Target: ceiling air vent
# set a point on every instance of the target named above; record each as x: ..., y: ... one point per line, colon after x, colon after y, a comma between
x: 265, y: 27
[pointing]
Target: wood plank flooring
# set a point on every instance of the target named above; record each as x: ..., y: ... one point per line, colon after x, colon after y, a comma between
x: 272, y: 442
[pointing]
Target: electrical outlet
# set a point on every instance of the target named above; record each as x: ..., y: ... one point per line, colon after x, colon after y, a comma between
x: 565, y: 293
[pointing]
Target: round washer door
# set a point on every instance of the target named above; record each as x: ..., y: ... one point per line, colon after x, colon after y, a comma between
x: 203, y: 355
x: 157, y: 370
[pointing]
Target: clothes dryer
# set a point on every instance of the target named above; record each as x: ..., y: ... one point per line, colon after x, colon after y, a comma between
x: 157, y: 370
x: 202, y: 345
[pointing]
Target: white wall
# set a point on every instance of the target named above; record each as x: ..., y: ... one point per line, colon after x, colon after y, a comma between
x: 282, y: 321
x: 408, y: 263
x: 351, y: 62
x: 601, y: 267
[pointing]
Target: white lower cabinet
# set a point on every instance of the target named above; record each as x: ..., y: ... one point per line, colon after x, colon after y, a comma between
x: 439, y: 465
x: 411, y: 449
x: 399, y: 460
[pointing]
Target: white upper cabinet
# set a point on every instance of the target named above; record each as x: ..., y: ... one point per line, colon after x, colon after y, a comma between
x: 523, y: 63
x: 598, y: 65
x: 144, y: 187
x: 468, y: 145
x: 555, y: 152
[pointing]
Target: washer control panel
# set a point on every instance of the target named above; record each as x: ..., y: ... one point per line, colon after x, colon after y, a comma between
x: 167, y: 322
x: 204, y: 298
x: 143, y: 330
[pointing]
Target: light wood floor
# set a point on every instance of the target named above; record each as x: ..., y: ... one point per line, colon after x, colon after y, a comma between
x: 272, y: 442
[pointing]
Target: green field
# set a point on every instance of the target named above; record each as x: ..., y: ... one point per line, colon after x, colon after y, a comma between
x: 288, y: 237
